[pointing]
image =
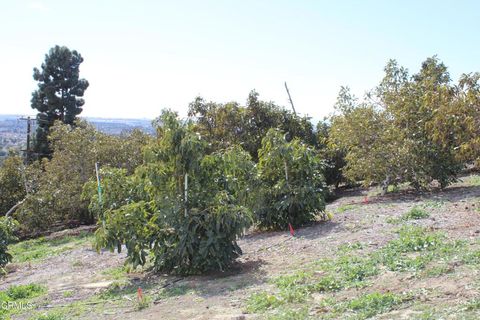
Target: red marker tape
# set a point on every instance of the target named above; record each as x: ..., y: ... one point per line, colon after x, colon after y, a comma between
x: 140, y: 294
x: 292, y: 232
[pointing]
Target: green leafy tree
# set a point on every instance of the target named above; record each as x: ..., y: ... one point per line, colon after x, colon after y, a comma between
x: 12, y: 187
x: 59, y: 94
x: 404, y: 131
x: 464, y: 117
x: 118, y: 188
x: 333, y: 155
x: 7, y: 228
x: 369, y: 139
x: 188, y: 207
x: 419, y: 107
x: 57, y: 183
x: 292, y: 187
x: 226, y: 125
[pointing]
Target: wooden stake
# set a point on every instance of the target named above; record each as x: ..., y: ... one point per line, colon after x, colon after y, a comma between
x: 290, y: 98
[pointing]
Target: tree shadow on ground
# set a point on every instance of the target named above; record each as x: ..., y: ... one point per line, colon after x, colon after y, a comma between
x: 450, y: 194
x: 266, y: 239
x: 241, y: 275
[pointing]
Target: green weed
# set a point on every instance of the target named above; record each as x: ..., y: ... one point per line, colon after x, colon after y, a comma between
x: 347, y: 247
x: 116, y: 273
x: 49, y: 316
x: 474, y: 181
x: 19, y: 292
x: 372, y: 304
x: 262, y: 301
x: 473, y: 305
x: 68, y: 294
x: 143, y: 303
x: 433, y: 204
x: 471, y: 257
x: 346, y: 207
x: 415, y: 213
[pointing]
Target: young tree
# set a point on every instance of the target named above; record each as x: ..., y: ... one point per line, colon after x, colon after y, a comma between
x: 183, y: 206
x: 334, y: 156
x: 464, y: 116
x: 406, y: 130
x: 59, y: 94
x: 12, y: 183
x: 7, y: 228
x: 57, y: 183
x: 292, y: 187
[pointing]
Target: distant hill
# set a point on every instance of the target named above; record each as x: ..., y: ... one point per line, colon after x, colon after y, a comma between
x: 13, y: 131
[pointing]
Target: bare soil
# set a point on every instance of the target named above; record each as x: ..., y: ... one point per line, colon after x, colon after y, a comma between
x: 76, y: 276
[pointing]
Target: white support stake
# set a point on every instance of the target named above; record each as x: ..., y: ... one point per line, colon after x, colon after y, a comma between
x: 186, y: 192
x: 286, y: 171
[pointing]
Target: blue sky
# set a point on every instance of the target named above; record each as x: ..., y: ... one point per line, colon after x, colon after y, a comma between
x: 142, y: 56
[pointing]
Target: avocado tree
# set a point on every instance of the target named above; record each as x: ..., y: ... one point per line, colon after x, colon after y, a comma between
x: 7, y: 228
x: 12, y: 187
x: 291, y: 187
x: 188, y: 207
x: 409, y: 129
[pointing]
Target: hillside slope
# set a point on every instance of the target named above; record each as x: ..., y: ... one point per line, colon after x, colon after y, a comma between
x: 404, y: 255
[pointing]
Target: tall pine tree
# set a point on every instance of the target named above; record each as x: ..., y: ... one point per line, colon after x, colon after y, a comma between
x: 59, y: 94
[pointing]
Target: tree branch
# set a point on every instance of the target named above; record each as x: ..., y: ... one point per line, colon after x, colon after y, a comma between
x: 15, y: 207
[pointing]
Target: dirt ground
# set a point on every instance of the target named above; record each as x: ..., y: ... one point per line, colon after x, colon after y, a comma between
x: 359, y: 216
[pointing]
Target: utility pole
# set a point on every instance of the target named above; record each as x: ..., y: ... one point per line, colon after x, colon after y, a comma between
x: 28, y: 151
x: 290, y: 98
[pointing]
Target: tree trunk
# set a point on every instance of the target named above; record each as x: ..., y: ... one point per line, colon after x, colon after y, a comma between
x: 385, y: 185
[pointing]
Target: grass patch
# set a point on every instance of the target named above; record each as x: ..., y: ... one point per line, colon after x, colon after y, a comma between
x: 262, y: 301
x: 346, y: 207
x: 433, y: 204
x: 49, y: 316
x: 19, y: 295
x: 372, y: 304
x: 41, y: 248
x: 143, y: 303
x: 474, y: 181
x: 169, y: 292
x: 472, y: 258
x: 473, y: 305
x: 415, y: 249
x: 437, y: 270
x: 19, y: 292
x: 415, y: 213
x: 348, y: 247
x: 118, y: 289
x: 116, y: 273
